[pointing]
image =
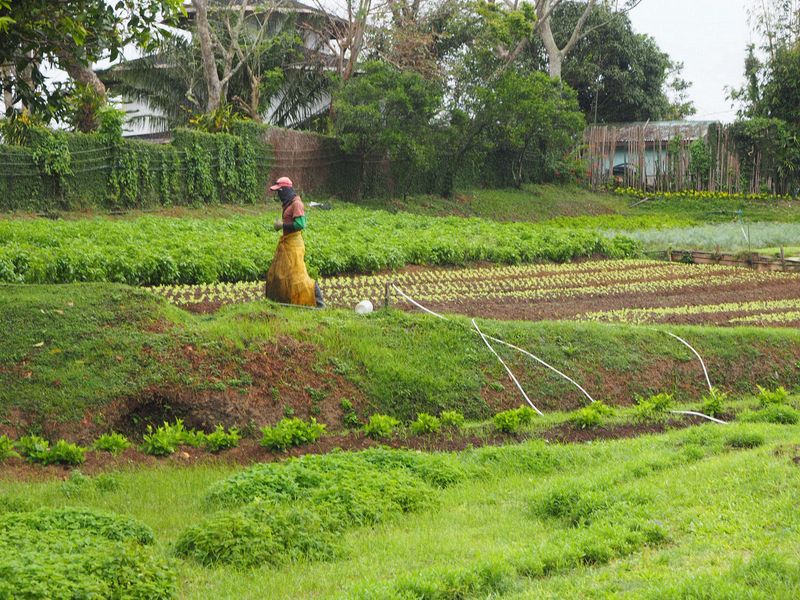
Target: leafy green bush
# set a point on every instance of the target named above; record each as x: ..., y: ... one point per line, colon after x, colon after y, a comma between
x: 34, y: 448
x: 769, y: 397
x: 115, y: 443
x: 776, y: 413
x: 6, y: 448
x: 259, y: 534
x: 452, y: 419
x: 64, y: 453
x: 77, y: 553
x: 586, y: 418
x: 714, y: 402
x: 164, y: 440
x: 291, y: 432
x: 286, y: 511
x: 526, y: 415
x: 381, y: 426
x: 591, y: 416
x: 507, y: 421
x: 425, y: 424
x: 193, y: 437
x: 311, y: 476
x: 654, y: 408
x: 219, y: 439
x: 744, y: 439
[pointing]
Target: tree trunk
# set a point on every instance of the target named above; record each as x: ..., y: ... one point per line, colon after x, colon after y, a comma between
x: 555, y: 60
x: 213, y: 84
x: 555, y: 54
x: 8, y: 95
x: 82, y: 74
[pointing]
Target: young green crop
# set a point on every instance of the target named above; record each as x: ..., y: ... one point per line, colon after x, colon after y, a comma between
x: 165, y: 250
x: 115, y: 443
x: 381, y: 426
x: 291, y: 432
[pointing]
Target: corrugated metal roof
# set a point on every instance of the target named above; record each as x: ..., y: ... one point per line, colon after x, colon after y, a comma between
x: 657, y: 130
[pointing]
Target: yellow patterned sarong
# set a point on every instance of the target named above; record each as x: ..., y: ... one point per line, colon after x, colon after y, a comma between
x: 287, y: 279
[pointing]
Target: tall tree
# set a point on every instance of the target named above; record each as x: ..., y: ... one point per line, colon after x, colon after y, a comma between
x: 777, y: 21
x: 72, y: 36
x: 619, y: 75
x: 558, y: 50
x: 228, y: 42
x: 344, y: 33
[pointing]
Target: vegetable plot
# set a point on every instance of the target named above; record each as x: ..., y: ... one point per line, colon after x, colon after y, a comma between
x: 633, y: 291
x: 158, y: 250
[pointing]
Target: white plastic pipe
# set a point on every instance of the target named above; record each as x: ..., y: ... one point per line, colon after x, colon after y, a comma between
x: 539, y: 360
x: 697, y: 414
x: 697, y: 354
x: 508, y: 370
x: 499, y: 341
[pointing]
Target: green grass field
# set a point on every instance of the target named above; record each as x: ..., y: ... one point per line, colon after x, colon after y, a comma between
x: 79, y: 347
x: 708, y: 512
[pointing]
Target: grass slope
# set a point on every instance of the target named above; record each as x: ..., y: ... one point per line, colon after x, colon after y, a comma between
x: 708, y: 512
x: 78, y: 348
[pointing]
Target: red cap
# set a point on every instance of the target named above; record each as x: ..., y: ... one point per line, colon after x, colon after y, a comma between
x: 282, y: 182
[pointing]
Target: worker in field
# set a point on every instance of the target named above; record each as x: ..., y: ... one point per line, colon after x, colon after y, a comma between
x: 287, y: 279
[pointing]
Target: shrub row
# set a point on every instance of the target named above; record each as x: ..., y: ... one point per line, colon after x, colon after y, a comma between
x: 165, y: 251
x: 94, y: 171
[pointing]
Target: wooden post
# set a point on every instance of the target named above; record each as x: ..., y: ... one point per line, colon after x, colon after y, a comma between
x: 386, y: 295
x: 783, y: 260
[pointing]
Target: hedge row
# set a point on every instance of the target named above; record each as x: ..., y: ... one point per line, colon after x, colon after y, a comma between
x: 162, y: 250
x: 195, y: 168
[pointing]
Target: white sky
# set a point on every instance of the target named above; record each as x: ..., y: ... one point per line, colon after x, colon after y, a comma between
x: 710, y: 37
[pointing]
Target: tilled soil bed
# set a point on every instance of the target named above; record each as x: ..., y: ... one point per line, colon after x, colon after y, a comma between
x: 632, y: 291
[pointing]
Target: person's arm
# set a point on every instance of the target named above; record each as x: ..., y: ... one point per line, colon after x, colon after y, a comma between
x: 297, y: 224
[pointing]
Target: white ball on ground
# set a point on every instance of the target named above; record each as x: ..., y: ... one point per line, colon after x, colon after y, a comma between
x: 364, y: 307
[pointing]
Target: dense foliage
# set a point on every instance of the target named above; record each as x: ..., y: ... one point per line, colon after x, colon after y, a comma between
x: 161, y: 250
x: 293, y: 510
x: 78, y: 553
x: 49, y: 171
x: 619, y: 75
x: 71, y: 35
x: 388, y: 112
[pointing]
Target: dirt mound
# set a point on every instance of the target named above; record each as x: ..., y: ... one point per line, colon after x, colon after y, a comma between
x: 245, y: 388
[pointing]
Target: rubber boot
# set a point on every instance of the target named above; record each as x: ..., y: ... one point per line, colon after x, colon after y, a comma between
x: 318, y: 296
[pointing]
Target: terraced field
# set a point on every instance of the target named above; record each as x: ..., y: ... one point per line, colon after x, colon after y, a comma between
x: 631, y: 291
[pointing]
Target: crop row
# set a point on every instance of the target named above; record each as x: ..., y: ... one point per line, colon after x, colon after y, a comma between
x: 649, y: 315
x: 650, y: 277
x: 163, y: 250
x: 641, y: 287
x: 775, y: 318
x: 658, y: 278
x: 499, y: 277
x: 609, y: 267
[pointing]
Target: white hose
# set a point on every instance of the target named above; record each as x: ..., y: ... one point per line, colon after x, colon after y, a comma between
x: 508, y: 370
x: 418, y: 305
x: 697, y: 414
x: 499, y: 341
x: 700, y: 358
x: 540, y: 361
x: 486, y: 339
